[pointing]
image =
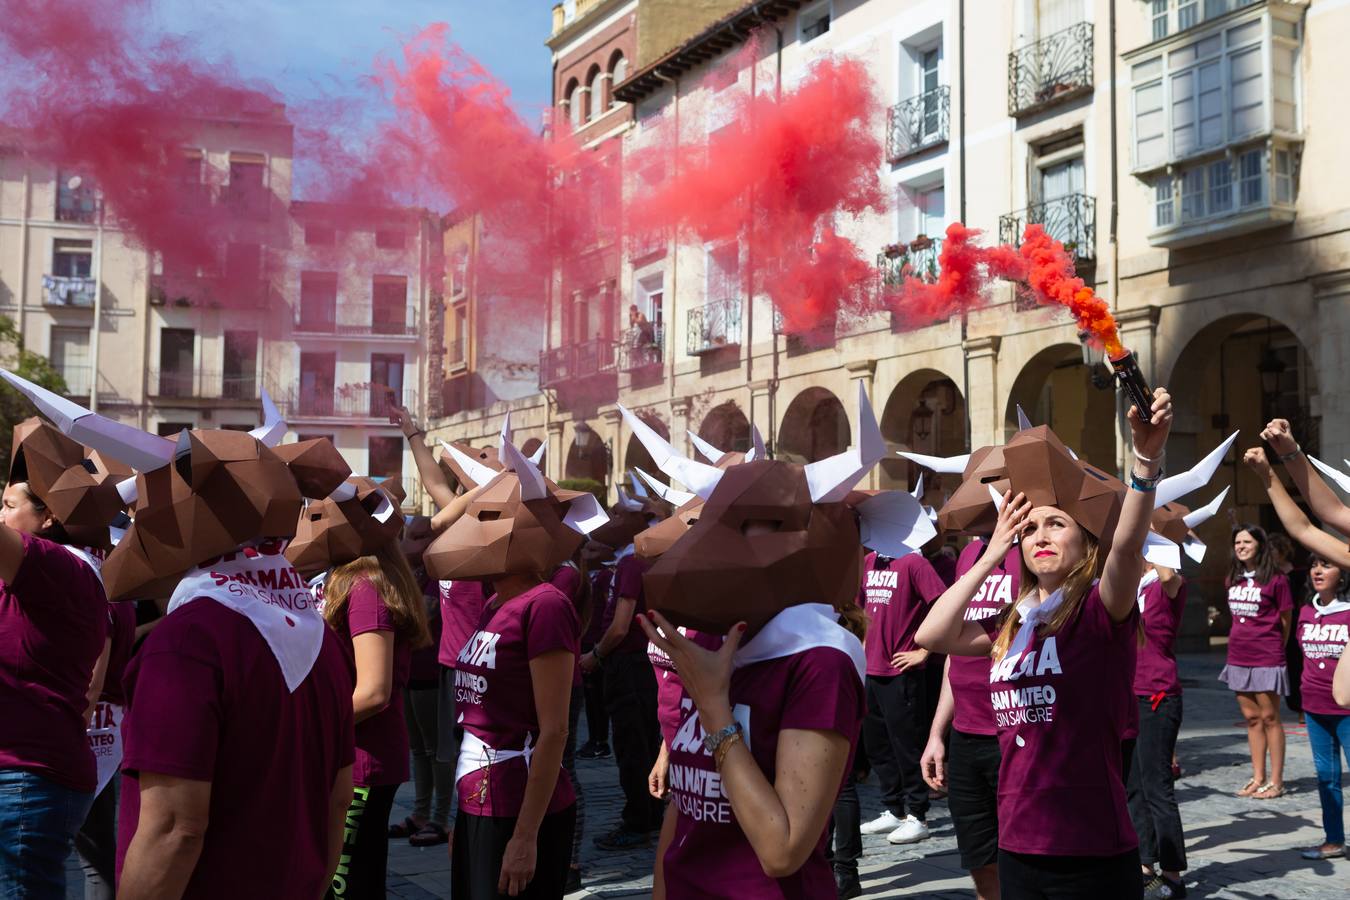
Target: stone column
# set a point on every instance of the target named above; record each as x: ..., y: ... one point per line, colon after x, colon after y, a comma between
x: 679, y: 426
x: 611, y: 433
x: 1331, y: 292
x: 860, y: 372
x: 985, y: 402
x: 760, y: 414
x: 556, y: 457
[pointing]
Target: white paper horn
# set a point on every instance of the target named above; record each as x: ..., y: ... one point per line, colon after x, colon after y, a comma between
x: 664, y: 491
x: 537, y: 457
x: 1194, y: 478
x: 943, y: 465
x: 710, y: 453
x: 1205, y: 513
x: 894, y: 524
x: 831, y: 479
x: 476, y: 471
x: 1338, y: 477
x: 125, y: 443
x: 1023, y: 423
x: 757, y: 450
x: 699, y: 477
x: 532, y: 486
x: 273, y: 428
x: 1161, y: 552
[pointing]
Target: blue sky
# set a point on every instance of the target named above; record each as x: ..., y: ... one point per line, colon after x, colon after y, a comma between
x: 301, y: 45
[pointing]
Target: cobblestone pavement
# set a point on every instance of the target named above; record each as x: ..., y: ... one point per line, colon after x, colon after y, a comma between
x: 1236, y: 848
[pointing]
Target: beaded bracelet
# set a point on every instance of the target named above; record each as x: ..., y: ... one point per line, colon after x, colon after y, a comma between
x: 1145, y: 484
x: 720, y: 755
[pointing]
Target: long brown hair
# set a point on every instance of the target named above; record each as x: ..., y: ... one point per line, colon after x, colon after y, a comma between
x: 1075, y: 587
x: 1263, y: 564
x: 388, y: 572
x: 854, y: 618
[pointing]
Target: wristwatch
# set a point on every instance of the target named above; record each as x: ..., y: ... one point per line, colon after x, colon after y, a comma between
x: 712, y: 741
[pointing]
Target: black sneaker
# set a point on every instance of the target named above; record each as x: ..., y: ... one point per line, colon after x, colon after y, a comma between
x: 622, y: 838
x: 1160, y: 888
x: 593, y: 750
x: 847, y: 884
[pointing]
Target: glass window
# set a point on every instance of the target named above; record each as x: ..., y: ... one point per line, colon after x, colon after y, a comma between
x: 1162, y: 202
x: 386, y: 457
x: 596, y: 89
x: 1248, y: 98
x: 1159, y: 19
x: 1220, y: 186
x: 72, y: 258
x: 1193, y: 194
x: 1187, y: 14
x: 70, y: 357
x: 319, y: 236
x: 815, y: 22
x: 1284, y: 177
x: 1150, y: 125
x: 1250, y: 187
x: 391, y: 239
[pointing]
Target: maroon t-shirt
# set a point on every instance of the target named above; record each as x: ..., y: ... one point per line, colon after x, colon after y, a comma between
x: 1322, y: 639
x: 897, y: 597
x: 1156, y: 671
x: 1060, y: 719
x: 567, y: 578
x: 628, y: 583
x: 426, y: 669
x: 382, y: 739
x: 207, y: 702
x: 53, y: 621
x: 669, y: 688
x: 461, y: 606
x: 817, y: 690
x: 601, y: 579
x: 494, y: 693
x: 969, y: 675
x: 1257, y: 638
x: 122, y: 630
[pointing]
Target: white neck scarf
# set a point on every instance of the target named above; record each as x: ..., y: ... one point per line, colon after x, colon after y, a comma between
x: 1144, y: 582
x: 799, y: 628
x: 1032, y: 618
x: 89, y: 559
x: 1335, y: 606
x: 260, y: 584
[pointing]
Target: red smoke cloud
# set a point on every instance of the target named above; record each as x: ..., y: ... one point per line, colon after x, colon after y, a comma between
x: 776, y: 177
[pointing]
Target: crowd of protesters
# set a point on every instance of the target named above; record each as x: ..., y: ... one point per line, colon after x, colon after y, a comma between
x: 1031, y: 681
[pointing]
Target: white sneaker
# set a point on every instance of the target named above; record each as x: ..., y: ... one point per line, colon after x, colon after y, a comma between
x: 911, y: 831
x: 886, y: 822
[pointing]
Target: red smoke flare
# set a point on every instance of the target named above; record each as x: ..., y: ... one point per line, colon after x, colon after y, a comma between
x: 1052, y: 280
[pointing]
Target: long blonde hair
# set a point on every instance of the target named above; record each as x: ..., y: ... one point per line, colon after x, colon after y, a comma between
x: 1076, y: 586
x: 388, y: 572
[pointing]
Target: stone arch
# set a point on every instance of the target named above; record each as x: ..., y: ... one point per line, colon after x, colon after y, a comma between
x: 925, y: 413
x: 587, y: 455
x: 814, y: 426
x: 726, y: 428
x: 531, y: 445
x: 1056, y: 388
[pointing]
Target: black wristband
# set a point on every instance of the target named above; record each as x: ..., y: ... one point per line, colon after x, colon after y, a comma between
x: 415, y: 433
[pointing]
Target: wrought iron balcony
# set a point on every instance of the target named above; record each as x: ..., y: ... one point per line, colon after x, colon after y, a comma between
x: 714, y: 325
x: 200, y: 384
x: 1053, y: 69
x: 347, y: 401
x: 361, y: 320
x: 579, y: 360
x: 918, y: 123
x: 63, y: 290
x: 1071, y: 220
x: 917, y: 259
x: 643, y: 347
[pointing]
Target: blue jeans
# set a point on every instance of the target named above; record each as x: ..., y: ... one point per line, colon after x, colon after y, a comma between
x: 1329, y: 737
x: 38, y: 821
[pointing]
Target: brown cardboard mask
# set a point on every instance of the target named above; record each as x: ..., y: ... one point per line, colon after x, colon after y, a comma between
x: 1040, y: 466
x: 354, y: 521
x: 520, y: 524
x: 1169, y: 520
x: 78, y: 486
x: 970, y: 509
x: 197, y: 496
x: 456, y: 473
x: 770, y: 534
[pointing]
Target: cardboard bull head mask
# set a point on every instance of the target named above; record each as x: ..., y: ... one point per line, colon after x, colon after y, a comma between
x: 199, y: 495
x: 77, y: 485
x: 1039, y: 465
x: 356, y: 520
x: 773, y: 534
x: 519, y: 524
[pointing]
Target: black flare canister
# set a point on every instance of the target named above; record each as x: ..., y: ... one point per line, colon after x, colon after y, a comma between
x: 1126, y: 369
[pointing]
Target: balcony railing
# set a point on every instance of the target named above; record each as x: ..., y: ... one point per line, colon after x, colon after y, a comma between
x: 580, y: 360
x: 643, y: 347
x: 714, y: 325
x: 215, y: 291
x: 917, y: 259
x: 1053, y: 69
x: 1071, y: 220
x: 354, y: 401
x: 203, y: 385
x: 357, y: 320
x: 917, y: 123
x: 63, y: 290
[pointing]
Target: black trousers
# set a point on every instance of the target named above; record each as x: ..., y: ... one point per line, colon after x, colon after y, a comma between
x: 630, y: 696
x: 448, y: 732
x: 480, y: 843
x: 1022, y: 876
x: 597, y: 717
x: 845, y: 841
x: 1151, y: 793
x: 96, y: 844
x: 365, y: 845
x: 569, y: 763
x: 895, y: 731
x: 972, y: 796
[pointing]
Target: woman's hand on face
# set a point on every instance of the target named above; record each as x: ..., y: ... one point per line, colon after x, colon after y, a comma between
x: 705, y: 674
x: 1255, y: 458
x: 1150, y: 438
x: 1011, y: 520
x: 1280, y: 438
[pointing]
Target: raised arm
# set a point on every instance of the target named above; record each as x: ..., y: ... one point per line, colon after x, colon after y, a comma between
x: 1125, y: 563
x: 457, y: 506
x: 433, y: 479
x: 1294, y: 520
x: 1324, y: 502
x: 945, y: 629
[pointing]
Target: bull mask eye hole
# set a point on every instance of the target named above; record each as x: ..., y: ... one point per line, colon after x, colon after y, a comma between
x: 693, y: 521
x: 489, y: 515
x: 314, y: 517
x: 990, y: 479
x: 752, y: 527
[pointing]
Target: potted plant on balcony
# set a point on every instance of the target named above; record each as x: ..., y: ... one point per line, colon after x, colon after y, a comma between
x: 893, y: 251
x: 920, y: 242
